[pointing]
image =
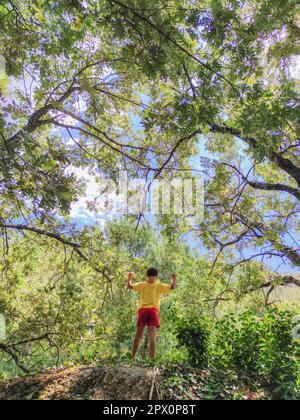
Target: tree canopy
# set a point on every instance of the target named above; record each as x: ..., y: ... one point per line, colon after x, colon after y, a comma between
x: 219, y: 74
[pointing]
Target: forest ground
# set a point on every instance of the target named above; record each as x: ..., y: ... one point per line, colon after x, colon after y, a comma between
x: 88, y: 383
x: 117, y: 383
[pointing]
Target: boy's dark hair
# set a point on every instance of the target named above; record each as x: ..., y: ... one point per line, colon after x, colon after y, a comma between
x: 152, y: 272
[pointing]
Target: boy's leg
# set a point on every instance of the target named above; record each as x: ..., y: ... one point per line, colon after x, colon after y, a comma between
x: 152, y: 340
x: 138, y: 336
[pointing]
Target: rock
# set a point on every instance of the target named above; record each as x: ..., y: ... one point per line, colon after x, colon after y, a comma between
x: 94, y: 383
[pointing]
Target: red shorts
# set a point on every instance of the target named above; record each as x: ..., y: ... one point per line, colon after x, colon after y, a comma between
x: 148, y: 316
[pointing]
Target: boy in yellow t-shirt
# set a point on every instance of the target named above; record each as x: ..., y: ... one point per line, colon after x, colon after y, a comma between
x: 148, y: 313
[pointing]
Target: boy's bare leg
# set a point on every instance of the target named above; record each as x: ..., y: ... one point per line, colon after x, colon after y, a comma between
x: 138, y: 336
x: 152, y: 340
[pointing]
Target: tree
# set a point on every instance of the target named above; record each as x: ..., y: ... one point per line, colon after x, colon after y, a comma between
x: 243, y: 97
x: 221, y: 73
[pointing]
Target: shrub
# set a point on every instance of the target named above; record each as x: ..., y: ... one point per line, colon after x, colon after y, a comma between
x: 194, y: 335
x: 262, y: 346
x: 258, y: 346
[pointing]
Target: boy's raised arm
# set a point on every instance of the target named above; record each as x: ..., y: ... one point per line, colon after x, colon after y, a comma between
x: 131, y: 276
x: 173, y: 281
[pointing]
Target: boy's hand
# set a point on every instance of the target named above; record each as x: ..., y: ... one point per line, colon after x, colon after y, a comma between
x: 131, y: 275
x: 173, y: 278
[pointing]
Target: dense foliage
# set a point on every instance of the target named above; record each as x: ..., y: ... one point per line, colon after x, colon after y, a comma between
x: 143, y: 86
x: 163, y: 90
x: 252, y: 346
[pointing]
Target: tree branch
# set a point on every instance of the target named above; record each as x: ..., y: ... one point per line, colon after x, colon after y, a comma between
x: 40, y: 232
x: 180, y: 141
x: 75, y: 245
x: 14, y: 356
x: 266, y: 185
x: 275, y: 187
x: 279, y: 281
x: 283, y: 163
x: 149, y: 22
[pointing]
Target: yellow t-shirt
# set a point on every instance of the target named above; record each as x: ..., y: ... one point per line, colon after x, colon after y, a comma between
x: 150, y: 293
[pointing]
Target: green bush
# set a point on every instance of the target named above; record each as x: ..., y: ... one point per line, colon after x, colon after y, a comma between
x: 257, y: 346
x: 194, y: 335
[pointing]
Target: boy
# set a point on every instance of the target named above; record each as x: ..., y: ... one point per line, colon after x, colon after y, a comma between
x: 148, y: 313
